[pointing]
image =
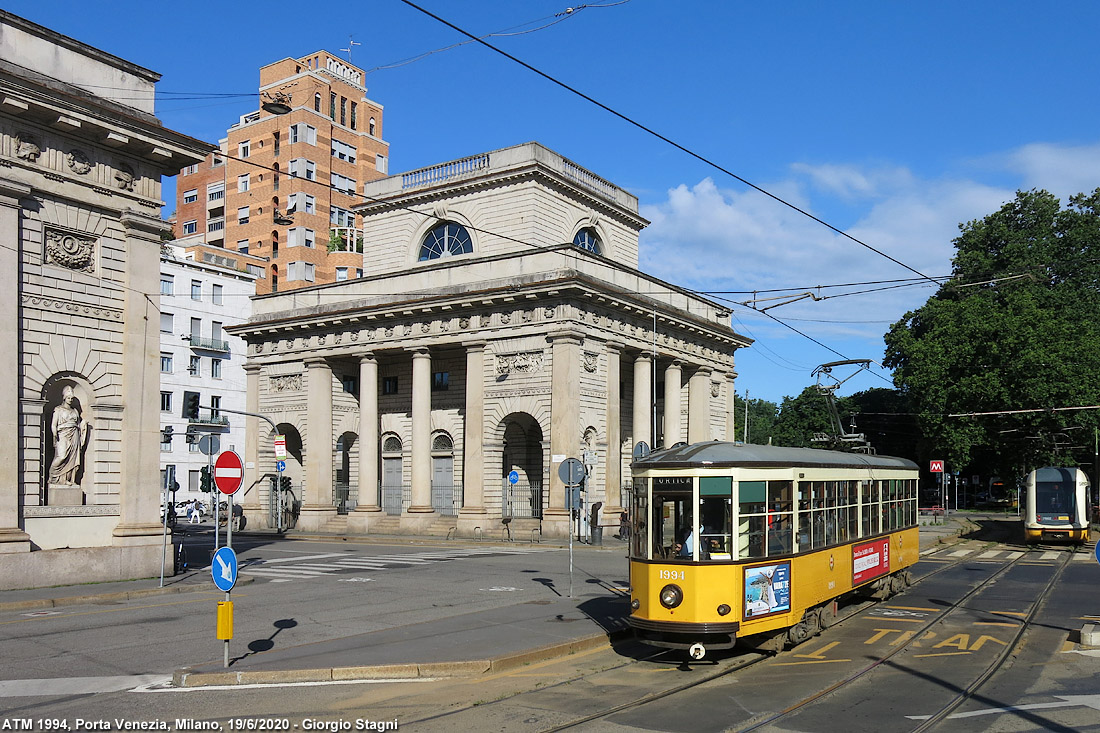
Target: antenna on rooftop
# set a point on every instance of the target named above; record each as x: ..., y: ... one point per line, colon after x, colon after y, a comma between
x: 351, y: 44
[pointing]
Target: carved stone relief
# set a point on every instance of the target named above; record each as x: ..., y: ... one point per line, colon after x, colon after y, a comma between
x: 26, y: 147
x: 523, y: 363
x: 70, y: 251
x: 591, y: 361
x: 549, y: 311
x: 124, y: 177
x: 715, y: 388
x: 464, y: 323
x: 286, y: 383
x: 78, y: 162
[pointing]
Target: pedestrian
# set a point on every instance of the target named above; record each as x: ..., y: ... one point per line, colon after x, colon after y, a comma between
x: 194, y: 511
x: 624, y: 526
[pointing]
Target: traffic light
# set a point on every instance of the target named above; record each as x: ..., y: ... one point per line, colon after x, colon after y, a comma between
x: 166, y: 434
x: 191, y: 405
x: 206, y: 481
x: 284, y: 483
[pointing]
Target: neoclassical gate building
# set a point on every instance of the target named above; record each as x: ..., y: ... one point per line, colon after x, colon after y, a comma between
x: 501, y: 326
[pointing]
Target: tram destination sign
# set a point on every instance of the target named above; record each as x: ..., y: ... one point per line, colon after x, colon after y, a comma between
x: 674, y: 483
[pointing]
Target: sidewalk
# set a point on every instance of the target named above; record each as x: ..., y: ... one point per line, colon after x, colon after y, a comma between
x: 467, y: 644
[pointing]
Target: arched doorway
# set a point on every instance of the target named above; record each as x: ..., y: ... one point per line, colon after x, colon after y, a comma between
x: 522, y: 467
x: 394, y: 495
x: 292, y: 476
x: 443, y: 475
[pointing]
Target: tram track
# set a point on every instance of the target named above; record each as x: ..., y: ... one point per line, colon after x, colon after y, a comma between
x: 850, y: 612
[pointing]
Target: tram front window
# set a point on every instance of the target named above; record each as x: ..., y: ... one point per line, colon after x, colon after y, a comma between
x: 1053, y: 498
x: 672, y: 521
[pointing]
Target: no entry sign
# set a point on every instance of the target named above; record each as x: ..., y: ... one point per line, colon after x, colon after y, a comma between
x: 228, y: 472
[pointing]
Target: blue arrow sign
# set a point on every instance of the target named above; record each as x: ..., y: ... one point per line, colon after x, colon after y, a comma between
x: 223, y: 568
x: 280, y: 465
x: 513, y: 477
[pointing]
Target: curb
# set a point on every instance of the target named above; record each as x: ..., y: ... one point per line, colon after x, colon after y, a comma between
x: 469, y: 668
x: 122, y: 595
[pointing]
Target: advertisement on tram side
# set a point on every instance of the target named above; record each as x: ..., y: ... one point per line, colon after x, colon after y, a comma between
x: 870, y: 560
x: 767, y: 590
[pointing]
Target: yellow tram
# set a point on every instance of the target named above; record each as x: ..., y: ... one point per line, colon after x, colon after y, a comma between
x: 733, y: 541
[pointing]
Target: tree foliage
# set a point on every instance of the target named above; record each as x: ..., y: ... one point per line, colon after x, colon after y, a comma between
x: 1017, y: 327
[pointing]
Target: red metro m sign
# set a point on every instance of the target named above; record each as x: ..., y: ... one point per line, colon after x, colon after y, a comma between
x: 935, y: 466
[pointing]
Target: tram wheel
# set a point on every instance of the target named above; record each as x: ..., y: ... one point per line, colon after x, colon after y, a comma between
x: 826, y: 615
x: 804, y: 630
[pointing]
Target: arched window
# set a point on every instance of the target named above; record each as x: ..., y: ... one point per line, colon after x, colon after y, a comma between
x: 317, y: 102
x: 588, y: 239
x: 442, y: 442
x: 372, y: 126
x: 445, y: 240
x: 391, y: 444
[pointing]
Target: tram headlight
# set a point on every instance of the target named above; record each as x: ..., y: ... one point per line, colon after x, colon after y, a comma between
x: 635, y: 604
x: 671, y: 596
x: 723, y: 610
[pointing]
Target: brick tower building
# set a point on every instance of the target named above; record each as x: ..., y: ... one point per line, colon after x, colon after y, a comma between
x: 307, y: 165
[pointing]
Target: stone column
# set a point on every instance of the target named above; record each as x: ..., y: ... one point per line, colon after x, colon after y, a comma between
x: 256, y: 514
x: 699, y: 405
x: 613, y: 465
x: 673, y: 388
x: 139, y: 497
x: 472, y: 514
x: 731, y: 407
x: 317, y: 506
x: 643, y: 400
x: 421, y: 469
x: 368, y: 507
x: 565, y: 423
x: 12, y: 537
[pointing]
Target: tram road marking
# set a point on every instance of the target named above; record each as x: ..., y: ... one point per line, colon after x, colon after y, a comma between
x: 959, y: 553
x: 915, y: 608
x: 77, y: 685
x: 1067, y: 701
x: 818, y: 654
x: 299, y: 558
x: 989, y: 554
x: 1050, y: 555
x: 811, y: 661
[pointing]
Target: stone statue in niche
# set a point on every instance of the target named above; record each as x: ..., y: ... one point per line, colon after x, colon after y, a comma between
x: 26, y: 147
x: 69, y: 431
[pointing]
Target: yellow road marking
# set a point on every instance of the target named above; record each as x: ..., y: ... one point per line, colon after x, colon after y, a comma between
x: 941, y: 654
x: 205, y: 598
x: 1021, y: 614
x: 995, y: 623
x: 913, y: 608
x: 814, y: 661
x: 902, y: 620
x: 819, y: 652
x: 1067, y: 645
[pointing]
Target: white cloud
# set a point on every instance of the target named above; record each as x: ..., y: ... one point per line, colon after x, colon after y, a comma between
x: 1061, y: 169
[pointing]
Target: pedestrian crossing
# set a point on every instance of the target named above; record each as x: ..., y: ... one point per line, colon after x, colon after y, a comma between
x: 940, y: 553
x: 306, y: 567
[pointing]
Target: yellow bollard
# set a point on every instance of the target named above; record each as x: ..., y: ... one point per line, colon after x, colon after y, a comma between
x: 225, y: 620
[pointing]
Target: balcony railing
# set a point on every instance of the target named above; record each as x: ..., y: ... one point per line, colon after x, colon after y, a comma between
x: 345, y: 239
x: 198, y: 342
x: 444, y: 171
x: 216, y: 420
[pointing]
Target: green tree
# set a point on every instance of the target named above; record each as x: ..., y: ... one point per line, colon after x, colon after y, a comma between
x: 761, y: 416
x: 800, y: 418
x: 1017, y: 327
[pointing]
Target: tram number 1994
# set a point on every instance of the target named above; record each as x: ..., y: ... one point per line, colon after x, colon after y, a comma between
x: 671, y: 574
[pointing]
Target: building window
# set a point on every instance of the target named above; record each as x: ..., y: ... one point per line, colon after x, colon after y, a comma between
x: 242, y: 215
x: 303, y: 168
x: 190, y: 197
x: 193, y: 365
x: 216, y: 368
x: 300, y: 271
x: 341, y: 273
x: 167, y: 285
x: 191, y: 169
x: 389, y: 385
x: 193, y: 444
x: 166, y: 320
x: 165, y: 401
x: 342, y: 183
x: 353, y: 108
x: 300, y: 237
x: 317, y: 102
x: 343, y: 110
x: 445, y: 240
x: 380, y: 163
x: 341, y: 217
x: 165, y: 363
x: 242, y: 182
x: 216, y: 331
x: 216, y: 290
x: 215, y: 403
x: 359, y: 272
x: 165, y: 441
x: 243, y: 148
x: 215, y: 191
x: 190, y: 227
x: 441, y: 381
x: 217, y: 161
x: 343, y: 151
x: 588, y: 239
x: 332, y: 105
x: 242, y: 246
x: 303, y: 133
x: 301, y: 202
x: 371, y: 130
x: 351, y: 384
x: 196, y: 290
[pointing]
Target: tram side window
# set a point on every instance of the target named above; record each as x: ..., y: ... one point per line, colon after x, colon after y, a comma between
x: 716, y: 518
x: 672, y: 520
x: 780, y: 518
x: 751, y: 497
x: 639, y: 537
x: 869, y: 500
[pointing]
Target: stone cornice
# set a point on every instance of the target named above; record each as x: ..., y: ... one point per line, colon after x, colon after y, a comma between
x: 42, y: 302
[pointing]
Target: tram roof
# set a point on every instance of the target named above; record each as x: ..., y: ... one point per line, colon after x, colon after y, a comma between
x: 719, y: 454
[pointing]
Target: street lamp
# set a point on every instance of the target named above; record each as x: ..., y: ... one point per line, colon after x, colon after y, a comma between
x: 277, y: 103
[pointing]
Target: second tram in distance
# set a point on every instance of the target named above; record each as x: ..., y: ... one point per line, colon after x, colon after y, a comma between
x: 731, y: 540
x: 1057, y: 505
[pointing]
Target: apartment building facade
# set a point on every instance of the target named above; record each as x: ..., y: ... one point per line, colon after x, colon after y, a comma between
x: 199, y: 298
x: 284, y: 183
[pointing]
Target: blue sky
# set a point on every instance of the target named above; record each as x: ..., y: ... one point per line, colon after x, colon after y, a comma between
x: 893, y: 122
